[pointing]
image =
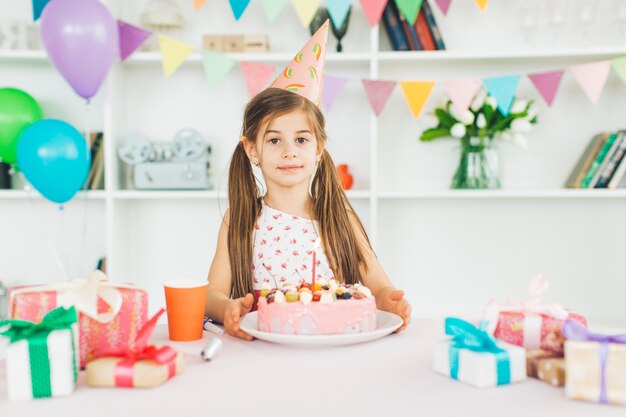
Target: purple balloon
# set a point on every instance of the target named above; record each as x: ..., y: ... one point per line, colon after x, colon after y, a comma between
x: 82, y: 41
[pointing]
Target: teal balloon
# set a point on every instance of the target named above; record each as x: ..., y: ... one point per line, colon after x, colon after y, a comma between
x: 53, y: 157
x: 17, y: 110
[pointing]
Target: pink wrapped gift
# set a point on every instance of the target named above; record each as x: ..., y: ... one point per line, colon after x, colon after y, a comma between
x: 530, y: 324
x: 109, y: 314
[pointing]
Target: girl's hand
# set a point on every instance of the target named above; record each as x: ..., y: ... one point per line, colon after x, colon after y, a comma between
x: 393, y: 301
x: 235, y: 310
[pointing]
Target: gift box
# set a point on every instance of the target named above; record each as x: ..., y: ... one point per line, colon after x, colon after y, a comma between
x: 595, y: 365
x: 109, y: 314
x: 41, y: 358
x: 473, y: 356
x: 529, y: 323
x: 142, y: 366
x: 547, y: 366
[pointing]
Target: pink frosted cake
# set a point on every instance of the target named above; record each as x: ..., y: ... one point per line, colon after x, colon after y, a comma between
x: 330, y: 309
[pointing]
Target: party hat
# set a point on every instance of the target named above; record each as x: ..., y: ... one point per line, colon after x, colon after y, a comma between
x: 305, y: 73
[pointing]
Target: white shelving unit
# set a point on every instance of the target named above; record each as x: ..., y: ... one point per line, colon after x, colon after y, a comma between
x: 451, y: 250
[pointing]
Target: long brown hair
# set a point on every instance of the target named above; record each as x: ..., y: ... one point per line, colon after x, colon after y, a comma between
x: 330, y: 205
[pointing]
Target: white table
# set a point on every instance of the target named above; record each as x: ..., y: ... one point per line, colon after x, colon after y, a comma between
x: 388, y: 377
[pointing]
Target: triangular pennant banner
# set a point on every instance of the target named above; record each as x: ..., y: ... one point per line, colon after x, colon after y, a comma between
x: 619, y: 65
x: 373, y: 10
x: 273, y: 8
x: 378, y: 93
x: 503, y: 89
x: 306, y: 10
x: 197, y: 4
x: 238, y: 6
x: 461, y: 92
x: 131, y: 38
x: 338, y: 10
x: 416, y: 94
x: 333, y: 87
x: 443, y: 5
x: 174, y: 53
x: 38, y: 6
x: 409, y: 8
x: 592, y: 78
x: 547, y: 83
x: 482, y: 4
x: 216, y: 66
x: 256, y: 76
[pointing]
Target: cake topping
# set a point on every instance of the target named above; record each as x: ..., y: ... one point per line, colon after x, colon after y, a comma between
x: 279, y: 297
x: 326, y: 292
x: 306, y: 296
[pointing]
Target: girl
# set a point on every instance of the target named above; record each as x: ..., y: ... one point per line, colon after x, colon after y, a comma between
x: 267, y: 238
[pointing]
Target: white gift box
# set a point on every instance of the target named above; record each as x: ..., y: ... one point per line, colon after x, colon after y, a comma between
x: 63, y: 365
x: 479, y: 368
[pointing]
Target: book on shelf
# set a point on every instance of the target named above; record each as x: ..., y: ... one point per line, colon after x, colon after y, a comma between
x: 618, y: 176
x: 613, y: 159
x: 605, y: 160
x: 590, y: 175
x: 435, y: 33
x: 409, y: 31
x: 393, y: 27
x: 95, y: 177
x: 586, y: 159
x: 423, y: 32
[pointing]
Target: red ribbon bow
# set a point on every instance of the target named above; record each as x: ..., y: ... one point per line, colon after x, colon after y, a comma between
x: 164, y: 355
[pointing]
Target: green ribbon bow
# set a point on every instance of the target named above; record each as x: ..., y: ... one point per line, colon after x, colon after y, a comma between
x: 36, y: 335
x: 467, y: 336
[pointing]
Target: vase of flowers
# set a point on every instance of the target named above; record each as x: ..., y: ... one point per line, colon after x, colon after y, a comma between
x: 477, y: 129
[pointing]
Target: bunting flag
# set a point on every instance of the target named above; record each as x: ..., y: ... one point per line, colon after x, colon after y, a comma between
x: 592, y: 78
x: 216, y: 66
x: 333, y: 87
x: 461, y: 92
x: 373, y: 10
x: 338, y: 10
x: 378, y: 93
x: 482, y: 4
x: 409, y: 8
x: 503, y: 89
x: 256, y: 76
x: 174, y: 53
x: 131, y: 38
x: 238, y: 6
x: 273, y: 8
x: 619, y: 65
x: 416, y: 94
x: 443, y: 5
x: 547, y: 84
x: 306, y: 10
x: 197, y: 4
x: 38, y: 6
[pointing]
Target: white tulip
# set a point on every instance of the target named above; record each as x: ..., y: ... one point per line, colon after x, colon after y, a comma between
x: 506, y: 136
x: 491, y: 102
x: 429, y: 121
x: 454, y: 112
x: 520, y: 140
x: 481, y: 121
x: 467, y: 118
x: 520, y: 126
x: 479, y: 100
x: 458, y: 130
x: 519, y: 106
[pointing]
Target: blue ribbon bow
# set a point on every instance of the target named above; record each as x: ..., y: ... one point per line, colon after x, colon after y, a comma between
x: 573, y: 330
x: 467, y: 336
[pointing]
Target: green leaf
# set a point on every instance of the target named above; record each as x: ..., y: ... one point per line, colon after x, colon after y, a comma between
x: 445, y: 119
x: 434, y: 133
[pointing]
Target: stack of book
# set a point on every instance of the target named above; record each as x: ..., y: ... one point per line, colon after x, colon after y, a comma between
x: 424, y: 35
x: 602, y: 164
x: 95, y: 178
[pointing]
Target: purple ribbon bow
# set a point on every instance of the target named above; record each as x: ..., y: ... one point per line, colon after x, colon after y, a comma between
x: 572, y: 330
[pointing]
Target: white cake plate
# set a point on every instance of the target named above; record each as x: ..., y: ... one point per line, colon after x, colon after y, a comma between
x: 385, y: 324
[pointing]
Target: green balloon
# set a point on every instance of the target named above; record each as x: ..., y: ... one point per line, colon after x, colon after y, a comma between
x: 17, y: 110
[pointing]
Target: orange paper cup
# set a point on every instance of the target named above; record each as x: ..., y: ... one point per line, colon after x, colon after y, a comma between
x: 185, y: 300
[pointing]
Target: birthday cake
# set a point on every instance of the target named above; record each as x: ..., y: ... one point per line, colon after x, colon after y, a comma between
x: 327, y: 308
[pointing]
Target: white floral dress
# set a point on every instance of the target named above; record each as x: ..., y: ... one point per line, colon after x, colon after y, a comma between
x: 283, y: 250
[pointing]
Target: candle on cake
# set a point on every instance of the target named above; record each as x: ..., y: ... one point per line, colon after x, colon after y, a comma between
x: 316, y: 244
